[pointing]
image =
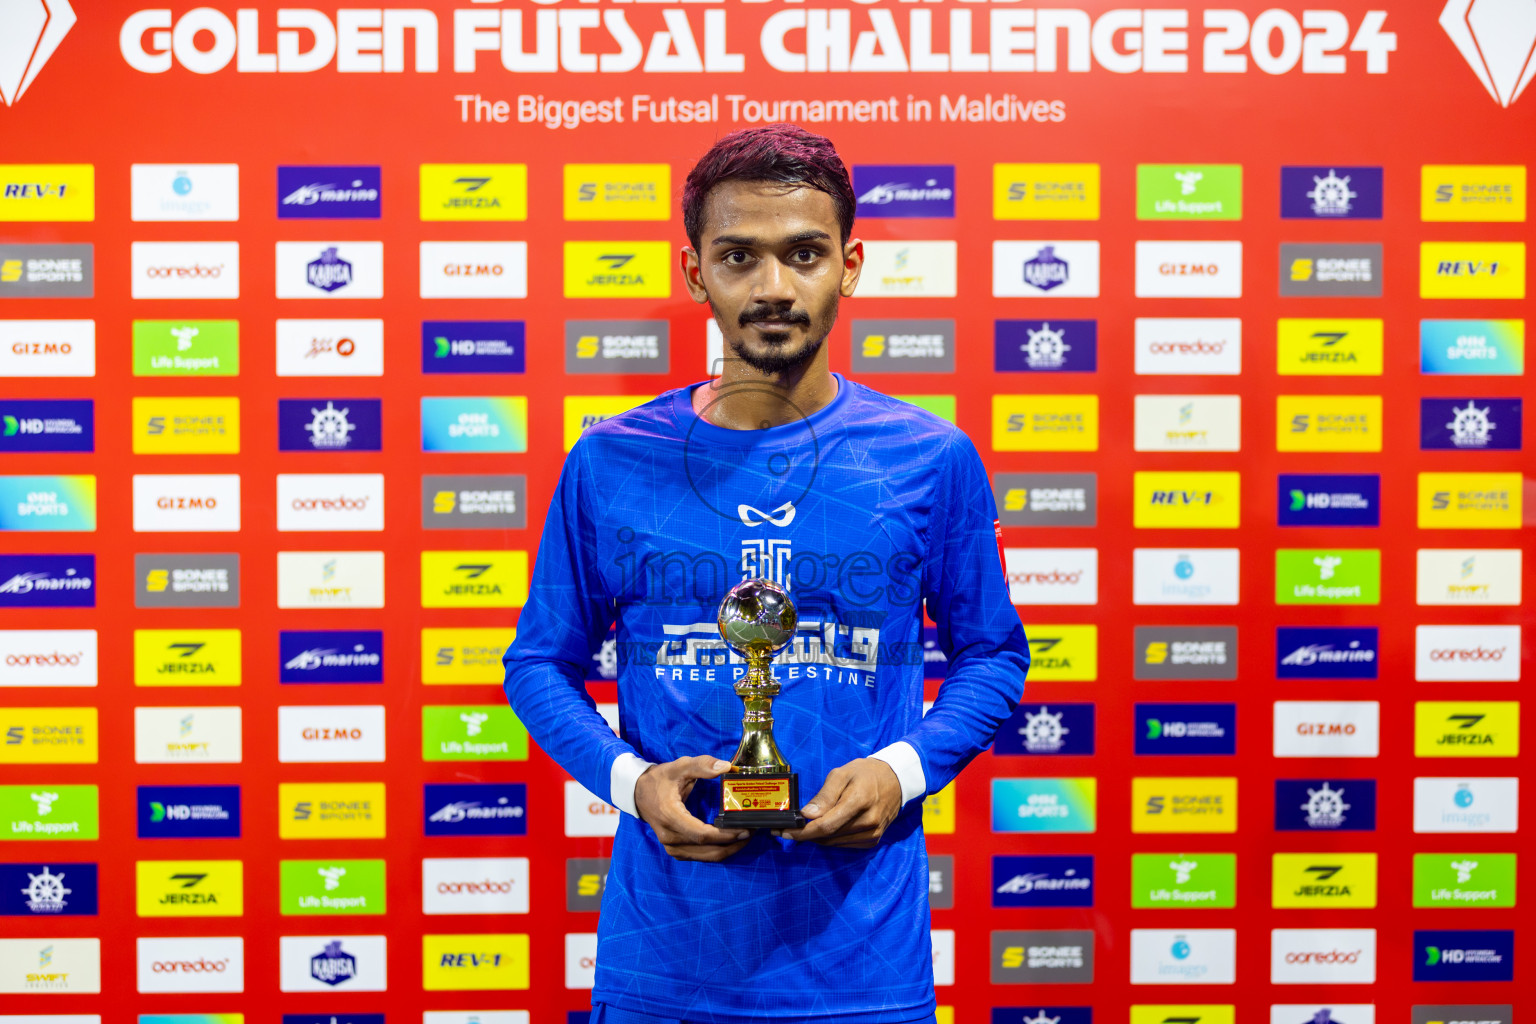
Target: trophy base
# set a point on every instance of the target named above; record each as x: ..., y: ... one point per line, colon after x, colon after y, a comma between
x: 760, y: 801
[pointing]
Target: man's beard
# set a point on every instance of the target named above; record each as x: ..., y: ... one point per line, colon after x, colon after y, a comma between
x: 775, y: 361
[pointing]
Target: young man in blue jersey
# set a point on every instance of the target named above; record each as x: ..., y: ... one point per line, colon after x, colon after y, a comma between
x: 866, y: 509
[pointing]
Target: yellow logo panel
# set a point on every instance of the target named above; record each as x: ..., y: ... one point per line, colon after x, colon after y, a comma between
x: 191, y: 888
x: 1465, y: 728
x: 474, y: 963
x: 1469, y: 501
x: 1340, y: 348
x: 939, y: 812
x: 1328, y: 423
x: 474, y: 191
x: 581, y: 411
x: 1045, y: 423
x: 186, y: 657
x: 1063, y: 654
x: 47, y: 192
x: 1472, y: 270
x: 1210, y: 501
x: 1472, y: 192
x: 452, y: 657
x: 618, y: 192
x: 186, y: 426
x: 618, y: 270
x: 1323, y: 880
x: 474, y: 579
x: 1183, y: 1014
x: 1184, y: 805
x: 330, y: 810
x: 1045, y: 191
x: 49, y: 736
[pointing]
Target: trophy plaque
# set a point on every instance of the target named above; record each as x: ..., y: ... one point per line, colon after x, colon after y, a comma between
x: 760, y: 791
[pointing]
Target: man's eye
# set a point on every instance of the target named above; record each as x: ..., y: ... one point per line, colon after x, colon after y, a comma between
x: 736, y: 256
x: 806, y: 255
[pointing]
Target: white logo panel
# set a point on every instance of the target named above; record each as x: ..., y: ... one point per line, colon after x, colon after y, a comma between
x: 330, y: 270
x: 1048, y: 270
x: 330, y: 579
x: 47, y: 348
x: 49, y: 966
x: 1463, y: 576
x: 178, y: 503
x: 186, y: 192
x: 1327, y: 728
x: 1052, y: 575
x: 48, y: 657
x: 186, y: 735
x: 1189, y: 270
x: 1184, y: 346
x: 1322, y: 956
x: 204, y: 964
x: 586, y: 815
x: 1189, y: 423
x: 1466, y: 804
x: 474, y: 270
x: 915, y: 269
x: 474, y: 885
x: 1183, y: 956
x: 580, y: 960
x: 1184, y: 575
x: 186, y: 270
x: 330, y: 348
x: 332, y: 963
x: 313, y: 733
x: 1461, y: 654
x: 330, y: 502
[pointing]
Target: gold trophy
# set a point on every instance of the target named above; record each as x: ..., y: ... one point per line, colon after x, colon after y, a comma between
x: 760, y: 791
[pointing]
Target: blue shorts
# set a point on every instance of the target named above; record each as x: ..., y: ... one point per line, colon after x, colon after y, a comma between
x: 604, y: 1014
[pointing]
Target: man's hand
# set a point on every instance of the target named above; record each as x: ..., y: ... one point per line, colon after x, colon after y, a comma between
x: 659, y: 795
x: 855, y: 806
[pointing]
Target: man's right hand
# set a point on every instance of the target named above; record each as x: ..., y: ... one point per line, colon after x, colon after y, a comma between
x: 659, y: 795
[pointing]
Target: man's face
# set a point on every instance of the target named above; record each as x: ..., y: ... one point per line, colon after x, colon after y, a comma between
x: 771, y: 265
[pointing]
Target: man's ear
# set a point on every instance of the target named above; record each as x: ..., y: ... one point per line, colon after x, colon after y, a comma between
x: 693, y: 274
x: 853, y: 266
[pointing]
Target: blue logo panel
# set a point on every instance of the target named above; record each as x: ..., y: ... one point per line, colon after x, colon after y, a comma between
x: 935, y: 663
x: 1186, y: 729
x: 47, y: 581
x: 1042, y: 881
x: 329, y: 425
x: 328, y: 193
x: 904, y: 190
x: 1325, y: 805
x: 189, y: 812
x: 1330, y: 499
x: 472, y: 346
x: 1047, y: 729
x: 1046, y: 346
x: 1463, y: 955
x: 1034, y: 1014
x: 331, y: 656
x: 1330, y: 193
x: 52, y: 425
x: 48, y: 889
x: 1470, y: 424
x: 476, y: 809
x: 335, y: 1018
x: 1326, y: 652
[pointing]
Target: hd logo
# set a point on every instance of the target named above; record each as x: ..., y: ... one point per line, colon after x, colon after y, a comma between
x: 191, y: 888
x: 474, y: 192
x: 1320, y: 880
x: 186, y: 657
x: 474, y: 579
x: 611, y: 270
x: 1466, y: 729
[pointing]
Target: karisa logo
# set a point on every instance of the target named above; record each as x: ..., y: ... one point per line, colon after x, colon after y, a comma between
x: 1497, y: 42
x: 32, y: 30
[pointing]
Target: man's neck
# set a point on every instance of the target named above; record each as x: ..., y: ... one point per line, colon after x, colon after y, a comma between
x: 745, y: 399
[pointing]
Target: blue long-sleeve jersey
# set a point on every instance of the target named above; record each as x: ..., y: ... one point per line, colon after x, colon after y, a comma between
x: 865, y: 510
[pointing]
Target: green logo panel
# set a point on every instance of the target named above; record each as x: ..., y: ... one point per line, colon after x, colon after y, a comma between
x: 1344, y: 576
x: 1463, y: 879
x: 186, y: 348
x: 1189, y: 192
x: 332, y: 886
x: 472, y: 732
x: 49, y: 812
x: 1184, y: 880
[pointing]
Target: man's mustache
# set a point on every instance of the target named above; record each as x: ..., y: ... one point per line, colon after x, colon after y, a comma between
x: 756, y: 314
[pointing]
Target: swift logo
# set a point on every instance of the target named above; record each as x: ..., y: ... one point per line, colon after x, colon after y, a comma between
x: 33, y: 32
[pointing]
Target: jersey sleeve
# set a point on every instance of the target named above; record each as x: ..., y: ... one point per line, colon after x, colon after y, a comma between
x: 563, y: 623
x: 966, y: 594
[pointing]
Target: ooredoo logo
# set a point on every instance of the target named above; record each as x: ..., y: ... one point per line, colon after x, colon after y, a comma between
x: 33, y: 32
x: 186, y: 270
x: 48, y: 657
x: 1467, y: 653
x: 1052, y: 575
x: 330, y: 501
x: 192, y: 965
x: 474, y: 885
x: 1312, y: 956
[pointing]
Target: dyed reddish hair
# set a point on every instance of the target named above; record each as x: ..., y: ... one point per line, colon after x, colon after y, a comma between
x: 775, y: 152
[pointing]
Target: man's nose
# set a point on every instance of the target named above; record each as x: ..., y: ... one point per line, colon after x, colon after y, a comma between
x: 773, y: 284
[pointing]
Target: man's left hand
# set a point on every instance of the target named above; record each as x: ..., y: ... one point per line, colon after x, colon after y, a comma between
x: 855, y: 806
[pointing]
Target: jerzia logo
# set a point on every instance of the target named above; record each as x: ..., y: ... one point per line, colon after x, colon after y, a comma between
x: 32, y: 31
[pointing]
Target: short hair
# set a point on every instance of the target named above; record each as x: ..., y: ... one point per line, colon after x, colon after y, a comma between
x: 782, y: 153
